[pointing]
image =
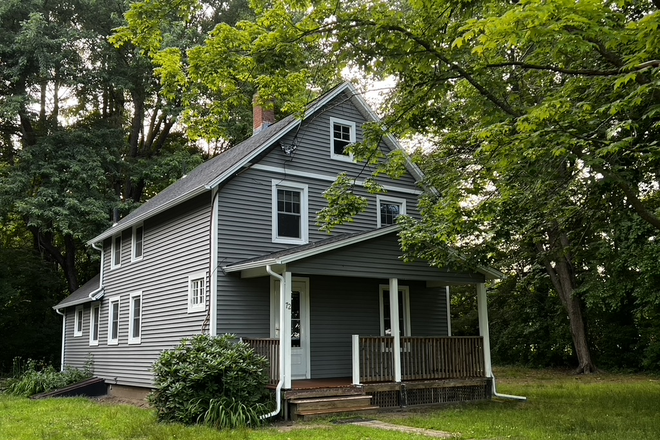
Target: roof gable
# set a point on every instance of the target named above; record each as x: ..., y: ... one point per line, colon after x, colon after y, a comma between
x: 214, y: 172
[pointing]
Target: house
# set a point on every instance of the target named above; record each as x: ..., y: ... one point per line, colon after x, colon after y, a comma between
x: 233, y: 247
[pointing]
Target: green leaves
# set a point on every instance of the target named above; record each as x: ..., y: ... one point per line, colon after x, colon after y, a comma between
x: 214, y: 380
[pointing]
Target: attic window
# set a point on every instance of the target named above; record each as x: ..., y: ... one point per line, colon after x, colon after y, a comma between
x: 342, y: 135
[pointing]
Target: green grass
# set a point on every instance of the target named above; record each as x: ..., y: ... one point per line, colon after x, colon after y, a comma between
x: 560, y: 406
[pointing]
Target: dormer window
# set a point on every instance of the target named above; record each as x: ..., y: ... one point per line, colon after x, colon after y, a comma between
x: 342, y: 135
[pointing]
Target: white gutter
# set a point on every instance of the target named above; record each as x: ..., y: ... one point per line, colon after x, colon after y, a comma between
x: 63, y: 337
x: 278, y: 389
x: 98, y: 293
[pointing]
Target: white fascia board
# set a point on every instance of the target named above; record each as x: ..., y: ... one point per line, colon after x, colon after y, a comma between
x: 280, y: 134
x: 140, y: 218
x: 388, y: 138
x: 73, y: 303
x: 313, y: 251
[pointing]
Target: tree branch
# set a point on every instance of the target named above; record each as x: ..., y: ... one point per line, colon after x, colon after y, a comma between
x: 557, y: 69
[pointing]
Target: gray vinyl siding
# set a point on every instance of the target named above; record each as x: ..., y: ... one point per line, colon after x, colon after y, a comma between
x: 377, y: 258
x: 176, y: 245
x: 342, y: 307
x: 245, y: 213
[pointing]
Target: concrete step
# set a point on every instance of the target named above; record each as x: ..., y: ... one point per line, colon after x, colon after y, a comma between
x: 338, y: 402
x: 313, y: 414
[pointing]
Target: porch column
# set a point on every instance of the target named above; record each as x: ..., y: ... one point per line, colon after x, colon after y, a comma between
x: 482, y: 309
x: 394, y: 324
x: 285, y: 327
x: 448, y: 301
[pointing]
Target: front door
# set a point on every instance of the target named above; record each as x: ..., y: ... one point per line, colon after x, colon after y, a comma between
x: 300, y: 360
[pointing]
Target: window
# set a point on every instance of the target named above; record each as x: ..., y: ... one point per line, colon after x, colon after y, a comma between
x: 135, y: 316
x: 404, y: 311
x: 78, y: 322
x: 342, y: 135
x: 94, y: 324
x: 197, y: 292
x: 389, y: 209
x: 113, y: 321
x: 138, y: 243
x: 116, y: 251
x: 289, y: 213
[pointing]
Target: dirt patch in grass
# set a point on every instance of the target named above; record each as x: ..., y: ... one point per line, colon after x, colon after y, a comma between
x: 113, y: 400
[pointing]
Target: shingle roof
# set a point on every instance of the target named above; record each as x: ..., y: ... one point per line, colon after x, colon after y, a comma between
x: 81, y: 295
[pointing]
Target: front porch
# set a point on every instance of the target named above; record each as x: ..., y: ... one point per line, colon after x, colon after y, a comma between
x: 433, y: 370
x: 351, y: 308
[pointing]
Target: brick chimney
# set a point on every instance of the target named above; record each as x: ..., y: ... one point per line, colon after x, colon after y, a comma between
x: 262, y: 118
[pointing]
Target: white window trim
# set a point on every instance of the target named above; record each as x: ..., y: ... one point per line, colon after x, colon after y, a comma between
x: 114, y: 299
x: 133, y: 240
x: 406, y: 312
x: 304, y: 218
x: 94, y: 322
x: 197, y: 307
x: 113, y: 251
x: 386, y: 199
x: 78, y: 320
x: 131, y: 339
x: 343, y: 157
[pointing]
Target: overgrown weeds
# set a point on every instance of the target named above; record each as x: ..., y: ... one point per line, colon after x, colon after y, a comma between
x: 34, y: 377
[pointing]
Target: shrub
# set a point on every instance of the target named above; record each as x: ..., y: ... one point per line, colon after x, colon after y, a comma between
x: 212, y: 380
x: 35, y: 377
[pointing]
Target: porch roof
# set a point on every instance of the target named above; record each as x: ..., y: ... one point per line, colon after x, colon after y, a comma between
x: 373, y: 253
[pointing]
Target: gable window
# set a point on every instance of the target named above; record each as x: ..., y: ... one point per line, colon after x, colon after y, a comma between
x: 404, y: 311
x: 289, y: 213
x: 78, y: 322
x: 116, y: 251
x: 138, y: 243
x: 135, y: 316
x: 389, y: 209
x: 113, y: 321
x: 94, y: 324
x: 197, y: 292
x: 342, y: 135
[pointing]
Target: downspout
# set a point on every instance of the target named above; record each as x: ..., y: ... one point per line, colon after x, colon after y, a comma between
x: 482, y: 311
x: 278, y: 389
x: 98, y: 293
x: 63, y: 337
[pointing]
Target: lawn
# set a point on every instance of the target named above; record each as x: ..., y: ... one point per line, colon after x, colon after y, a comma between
x: 560, y: 406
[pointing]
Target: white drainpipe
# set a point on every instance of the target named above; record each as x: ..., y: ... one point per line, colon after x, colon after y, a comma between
x: 482, y: 311
x: 63, y: 337
x: 98, y: 293
x: 278, y: 389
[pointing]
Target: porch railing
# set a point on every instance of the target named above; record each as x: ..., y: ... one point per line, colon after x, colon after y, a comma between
x: 421, y: 358
x: 270, y: 349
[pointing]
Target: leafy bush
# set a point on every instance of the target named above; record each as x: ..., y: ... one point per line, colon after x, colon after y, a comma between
x: 35, y: 378
x: 212, y: 380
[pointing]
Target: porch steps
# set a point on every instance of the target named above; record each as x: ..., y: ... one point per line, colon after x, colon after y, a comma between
x: 305, y: 408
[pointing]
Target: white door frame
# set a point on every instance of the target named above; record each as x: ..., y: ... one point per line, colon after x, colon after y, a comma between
x: 300, y: 284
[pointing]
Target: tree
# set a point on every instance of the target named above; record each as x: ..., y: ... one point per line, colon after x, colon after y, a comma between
x: 542, y: 116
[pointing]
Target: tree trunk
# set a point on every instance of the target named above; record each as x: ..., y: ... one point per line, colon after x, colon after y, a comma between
x: 563, y: 279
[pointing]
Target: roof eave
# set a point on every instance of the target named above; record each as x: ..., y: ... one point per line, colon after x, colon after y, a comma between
x: 147, y: 214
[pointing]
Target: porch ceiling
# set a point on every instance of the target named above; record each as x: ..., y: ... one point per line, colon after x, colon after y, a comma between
x: 369, y: 254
